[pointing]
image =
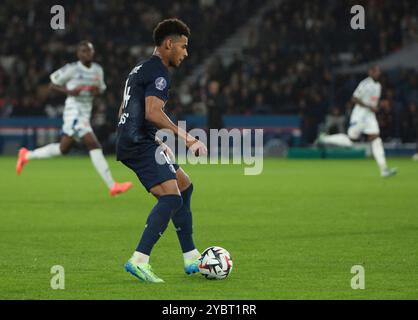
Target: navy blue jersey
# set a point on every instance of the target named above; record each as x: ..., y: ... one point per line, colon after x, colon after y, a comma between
x: 135, y: 134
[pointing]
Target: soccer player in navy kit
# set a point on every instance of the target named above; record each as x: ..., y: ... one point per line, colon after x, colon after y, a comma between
x: 140, y: 116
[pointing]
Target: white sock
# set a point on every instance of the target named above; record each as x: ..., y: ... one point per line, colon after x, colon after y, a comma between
x: 101, y: 166
x: 139, y: 258
x: 339, y: 139
x: 379, y: 153
x: 48, y: 151
x: 191, y: 255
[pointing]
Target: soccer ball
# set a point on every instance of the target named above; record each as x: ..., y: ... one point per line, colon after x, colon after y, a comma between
x: 215, y: 263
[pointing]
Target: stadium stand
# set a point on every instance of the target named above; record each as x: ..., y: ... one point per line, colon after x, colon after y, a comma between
x: 288, y: 67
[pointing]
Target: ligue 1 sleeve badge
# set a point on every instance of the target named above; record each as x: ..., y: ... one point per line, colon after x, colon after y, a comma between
x: 160, y: 83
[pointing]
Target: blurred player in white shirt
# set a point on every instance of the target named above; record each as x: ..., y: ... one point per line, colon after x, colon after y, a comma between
x: 363, y: 121
x: 81, y: 81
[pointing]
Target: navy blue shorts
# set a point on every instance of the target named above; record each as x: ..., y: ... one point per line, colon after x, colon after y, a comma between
x: 148, y: 170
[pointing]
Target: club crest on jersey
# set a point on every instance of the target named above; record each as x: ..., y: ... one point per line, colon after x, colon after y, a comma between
x: 160, y: 83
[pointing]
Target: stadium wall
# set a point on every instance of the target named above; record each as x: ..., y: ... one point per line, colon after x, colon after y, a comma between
x: 33, y: 132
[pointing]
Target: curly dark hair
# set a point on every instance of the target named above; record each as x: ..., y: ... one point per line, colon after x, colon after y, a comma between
x: 170, y: 27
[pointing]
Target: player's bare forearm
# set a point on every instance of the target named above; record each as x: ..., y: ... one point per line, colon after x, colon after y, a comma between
x: 373, y: 109
x: 96, y: 91
x: 120, y: 110
x: 64, y: 90
x: 364, y: 105
x: 162, y: 121
x: 55, y: 87
x: 155, y: 114
x: 359, y: 102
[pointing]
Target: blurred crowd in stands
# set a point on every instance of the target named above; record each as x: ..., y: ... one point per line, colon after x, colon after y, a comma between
x: 286, y: 67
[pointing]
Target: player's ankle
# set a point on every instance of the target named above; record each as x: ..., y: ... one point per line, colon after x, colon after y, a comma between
x: 191, y: 255
x: 139, y: 258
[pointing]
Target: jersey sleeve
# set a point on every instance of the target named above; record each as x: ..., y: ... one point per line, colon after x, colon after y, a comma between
x: 158, y: 85
x: 360, y: 90
x: 62, y: 75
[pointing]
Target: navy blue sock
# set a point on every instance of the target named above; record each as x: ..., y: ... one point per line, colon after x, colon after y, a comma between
x: 157, y: 221
x: 182, y: 220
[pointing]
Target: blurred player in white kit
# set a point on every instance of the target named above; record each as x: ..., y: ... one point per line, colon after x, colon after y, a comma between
x: 81, y: 81
x: 363, y: 121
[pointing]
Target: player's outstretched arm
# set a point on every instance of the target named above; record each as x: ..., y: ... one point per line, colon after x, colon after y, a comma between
x: 358, y: 101
x: 62, y: 89
x: 154, y: 113
x: 96, y: 91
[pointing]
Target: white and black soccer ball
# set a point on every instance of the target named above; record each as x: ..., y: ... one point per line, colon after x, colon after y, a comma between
x: 215, y: 263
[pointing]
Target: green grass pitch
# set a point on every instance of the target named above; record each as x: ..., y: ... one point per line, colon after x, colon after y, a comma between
x: 294, y: 232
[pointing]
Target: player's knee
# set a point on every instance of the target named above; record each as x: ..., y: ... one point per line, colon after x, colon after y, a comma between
x: 178, y: 203
x: 164, y: 190
x: 91, y: 142
x: 183, y: 180
x: 157, y: 191
x: 170, y: 187
x: 352, y: 135
x: 173, y: 201
x: 185, y: 185
x: 93, y: 145
x: 186, y: 193
x: 64, y: 150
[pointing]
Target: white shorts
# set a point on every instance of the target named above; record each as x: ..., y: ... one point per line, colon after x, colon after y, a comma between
x: 363, y: 123
x: 76, y: 126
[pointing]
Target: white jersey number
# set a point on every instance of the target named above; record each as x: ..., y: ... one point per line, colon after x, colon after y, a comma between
x: 126, y: 98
